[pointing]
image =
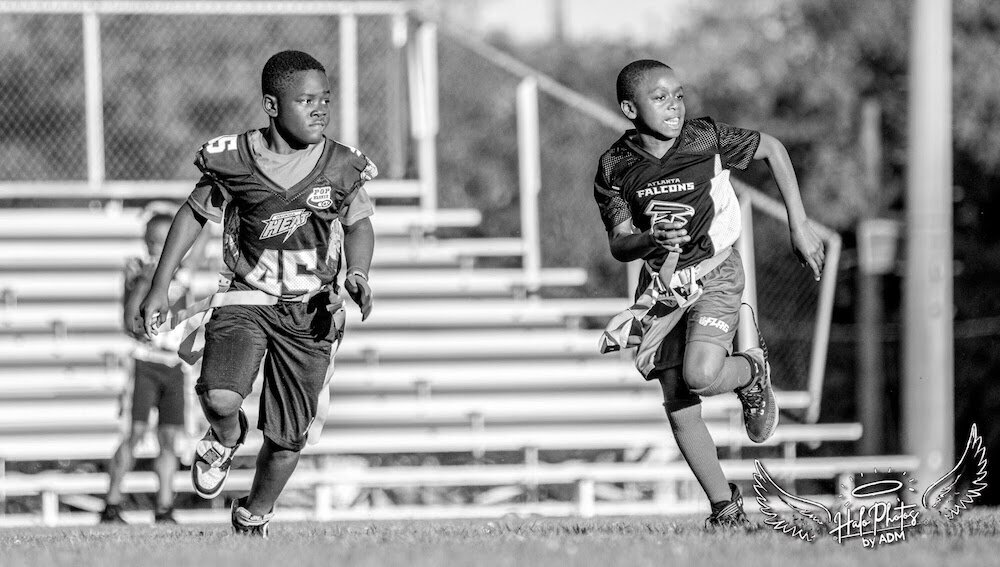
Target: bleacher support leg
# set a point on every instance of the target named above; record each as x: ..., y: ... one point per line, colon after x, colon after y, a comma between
x: 585, y: 497
x: 50, y: 508
x: 324, y: 502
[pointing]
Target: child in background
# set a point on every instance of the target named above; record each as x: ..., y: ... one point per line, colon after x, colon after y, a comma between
x: 158, y: 380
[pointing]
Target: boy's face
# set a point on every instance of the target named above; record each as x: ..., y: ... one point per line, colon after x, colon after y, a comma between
x: 302, y: 112
x: 156, y: 236
x: 658, y: 108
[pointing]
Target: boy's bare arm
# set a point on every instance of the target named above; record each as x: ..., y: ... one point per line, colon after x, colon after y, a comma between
x: 184, y: 231
x: 627, y: 245
x: 359, y: 245
x: 808, y: 247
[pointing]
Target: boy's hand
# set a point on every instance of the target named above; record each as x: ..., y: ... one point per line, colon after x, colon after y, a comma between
x: 153, y: 310
x: 669, y: 236
x: 808, y: 247
x: 359, y: 290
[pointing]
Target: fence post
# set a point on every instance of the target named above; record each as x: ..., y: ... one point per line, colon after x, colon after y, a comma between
x: 348, y: 75
x: 424, y: 114
x: 94, y: 98
x: 530, y: 176
x: 821, y: 338
x: 746, y: 336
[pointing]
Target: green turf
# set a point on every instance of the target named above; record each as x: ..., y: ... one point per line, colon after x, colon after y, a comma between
x: 971, y: 540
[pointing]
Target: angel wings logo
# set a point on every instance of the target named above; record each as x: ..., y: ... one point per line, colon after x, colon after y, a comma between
x: 876, y: 522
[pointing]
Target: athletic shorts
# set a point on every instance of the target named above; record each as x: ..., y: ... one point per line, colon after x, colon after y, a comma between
x: 294, y: 340
x: 712, y: 318
x: 158, y: 386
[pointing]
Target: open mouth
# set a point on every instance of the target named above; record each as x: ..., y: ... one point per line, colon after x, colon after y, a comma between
x: 674, y: 122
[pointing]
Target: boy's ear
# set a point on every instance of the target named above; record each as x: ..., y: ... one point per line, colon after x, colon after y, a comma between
x: 628, y: 109
x: 270, y: 104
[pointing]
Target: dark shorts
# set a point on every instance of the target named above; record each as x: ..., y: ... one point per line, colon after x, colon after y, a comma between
x: 294, y: 341
x: 158, y: 386
x: 712, y: 318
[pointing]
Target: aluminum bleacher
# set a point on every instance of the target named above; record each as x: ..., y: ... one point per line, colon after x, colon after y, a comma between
x: 456, y: 359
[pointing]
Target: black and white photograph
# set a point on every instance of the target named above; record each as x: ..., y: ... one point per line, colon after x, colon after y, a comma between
x: 499, y: 282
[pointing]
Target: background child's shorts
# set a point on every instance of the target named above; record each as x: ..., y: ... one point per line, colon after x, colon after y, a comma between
x: 161, y: 386
x: 297, y: 338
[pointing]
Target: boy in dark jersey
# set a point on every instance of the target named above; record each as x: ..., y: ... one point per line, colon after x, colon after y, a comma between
x: 157, y: 381
x: 281, y: 193
x: 664, y: 196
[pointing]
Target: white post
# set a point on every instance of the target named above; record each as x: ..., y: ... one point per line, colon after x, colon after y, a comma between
x: 928, y: 332
x: 586, y: 498
x: 50, y: 507
x: 348, y: 75
x: 821, y: 336
x: 424, y: 114
x: 746, y: 336
x: 94, y: 98
x: 530, y: 176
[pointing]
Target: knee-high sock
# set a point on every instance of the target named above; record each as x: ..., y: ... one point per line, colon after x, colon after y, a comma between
x: 698, y: 448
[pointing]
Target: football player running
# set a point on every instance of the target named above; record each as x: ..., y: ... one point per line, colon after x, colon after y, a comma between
x: 664, y: 195
x: 281, y: 192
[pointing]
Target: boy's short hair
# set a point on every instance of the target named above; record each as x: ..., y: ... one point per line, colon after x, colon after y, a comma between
x: 278, y: 70
x: 632, y: 74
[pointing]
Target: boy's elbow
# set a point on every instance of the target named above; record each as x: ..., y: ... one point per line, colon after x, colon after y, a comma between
x: 769, y: 147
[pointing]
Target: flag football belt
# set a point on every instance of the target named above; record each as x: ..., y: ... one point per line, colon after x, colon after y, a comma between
x: 674, y: 288
x: 194, y: 318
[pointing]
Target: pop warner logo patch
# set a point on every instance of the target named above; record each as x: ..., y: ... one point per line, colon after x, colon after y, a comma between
x: 285, y: 223
x: 320, y: 198
x: 875, y: 521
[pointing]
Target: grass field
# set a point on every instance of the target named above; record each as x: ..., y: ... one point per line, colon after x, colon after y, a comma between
x: 971, y: 540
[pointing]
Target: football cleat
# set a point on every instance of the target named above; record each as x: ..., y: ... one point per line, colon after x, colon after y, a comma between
x: 760, y: 411
x: 112, y: 514
x: 212, y: 461
x: 247, y: 523
x: 729, y: 514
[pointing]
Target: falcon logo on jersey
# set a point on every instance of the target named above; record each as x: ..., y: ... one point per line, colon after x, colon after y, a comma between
x: 320, y: 198
x: 668, y: 211
x: 285, y: 223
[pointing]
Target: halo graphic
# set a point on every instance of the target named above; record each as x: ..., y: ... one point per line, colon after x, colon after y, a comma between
x: 870, y: 489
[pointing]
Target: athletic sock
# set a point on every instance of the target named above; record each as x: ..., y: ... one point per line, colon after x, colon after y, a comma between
x: 698, y: 448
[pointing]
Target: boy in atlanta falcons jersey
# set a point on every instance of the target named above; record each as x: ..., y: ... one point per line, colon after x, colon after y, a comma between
x: 664, y: 195
x: 279, y: 191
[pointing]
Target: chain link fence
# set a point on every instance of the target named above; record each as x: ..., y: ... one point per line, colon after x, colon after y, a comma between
x: 170, y: 82
x: 42, y: 98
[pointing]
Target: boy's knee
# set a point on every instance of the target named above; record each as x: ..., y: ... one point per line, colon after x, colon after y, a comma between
x: 701, y: 378
x: 221, y: 403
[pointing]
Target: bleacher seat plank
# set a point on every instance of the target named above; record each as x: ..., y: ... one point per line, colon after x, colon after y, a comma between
x: 86, y: 445
x: 38, y: 286
x: 47, y: 224
x: 40, y: 318
x: 175, y: 190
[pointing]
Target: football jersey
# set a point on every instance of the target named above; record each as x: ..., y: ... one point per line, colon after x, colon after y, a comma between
x: 689, y: 184
x: 275, y: 240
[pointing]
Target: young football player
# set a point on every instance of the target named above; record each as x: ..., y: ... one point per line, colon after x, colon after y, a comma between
x: 280, y: 192
x: 664, y: 195
x: 157, y: 382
